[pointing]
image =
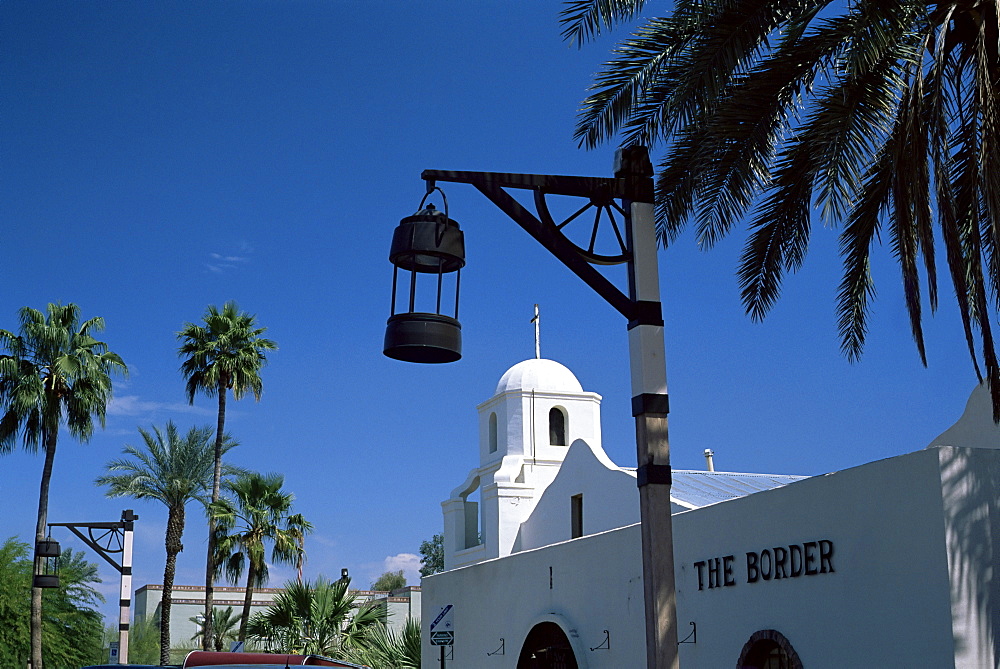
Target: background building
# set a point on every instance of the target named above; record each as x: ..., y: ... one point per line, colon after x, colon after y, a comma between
x: 189, y: 602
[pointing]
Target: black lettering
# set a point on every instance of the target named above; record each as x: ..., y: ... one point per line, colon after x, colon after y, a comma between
x: 727, y: 570
x: 795, y: 560
x: 700, y: 566
x: 753, y: 571
x: 810, y: 551
x: 826, y: 557
x: 713, y: 573
x: 766, y: 573
x: 780, y: 562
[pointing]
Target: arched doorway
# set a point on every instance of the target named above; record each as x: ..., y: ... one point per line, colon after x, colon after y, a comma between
x: 546, y: 648
x: 768, y: 649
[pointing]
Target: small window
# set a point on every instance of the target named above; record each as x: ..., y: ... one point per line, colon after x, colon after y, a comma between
x: 493, y: 433
x: 557, y: 427
x: 576, y: 516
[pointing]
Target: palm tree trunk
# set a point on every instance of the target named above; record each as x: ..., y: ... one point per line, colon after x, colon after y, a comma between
x: 175, y: 530
x: 247, y: 599
x: 43, y: 513
x: 207, y: 633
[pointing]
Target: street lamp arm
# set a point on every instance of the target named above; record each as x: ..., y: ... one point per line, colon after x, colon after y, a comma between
x: 550, y: 183
x: 549, y: 235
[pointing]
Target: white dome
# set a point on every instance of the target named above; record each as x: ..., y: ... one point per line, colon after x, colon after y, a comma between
x: 539, y: 374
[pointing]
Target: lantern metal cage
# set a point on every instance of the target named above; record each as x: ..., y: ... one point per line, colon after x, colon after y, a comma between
x: 426, y: 243
x: 47, y: 552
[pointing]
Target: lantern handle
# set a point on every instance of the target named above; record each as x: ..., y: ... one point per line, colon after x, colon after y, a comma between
x: 430, y: 189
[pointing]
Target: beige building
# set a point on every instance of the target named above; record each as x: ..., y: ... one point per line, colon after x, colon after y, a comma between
x: 189, y: 602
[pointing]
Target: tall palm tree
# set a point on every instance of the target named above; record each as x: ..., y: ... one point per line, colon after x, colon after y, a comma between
x: 173, y: 470
x: 258, y: 514
x: 225, y: 354
x: 318, y: 618
x: 883, y: 115
x: 54, y: 372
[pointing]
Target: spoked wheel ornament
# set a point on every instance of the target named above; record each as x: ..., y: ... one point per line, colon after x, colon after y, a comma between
x: 596, y: 230
x: 110, y: 540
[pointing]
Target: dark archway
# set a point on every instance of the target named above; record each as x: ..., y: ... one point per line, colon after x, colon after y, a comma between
x: 546, y: 648
x: 768, y: 649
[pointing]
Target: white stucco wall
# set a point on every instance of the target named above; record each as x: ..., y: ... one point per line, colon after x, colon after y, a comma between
x: 889, y: 602
x: 610, y: 499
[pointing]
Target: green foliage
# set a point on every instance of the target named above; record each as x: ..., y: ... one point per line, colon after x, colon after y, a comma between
x: 167, y: 468
x: 225, y: 625
x: 55, y: 371
x: 432, y: 555
x: 227, y: 353
x: 382, y: 648
x: 320, y: 618
x: 878, y: 115
x: 15, y: 590
x: 172, y: 470
x: 72, y: 630
x: 389, y: 581
x: 258, y: 514
x: 143, y: 641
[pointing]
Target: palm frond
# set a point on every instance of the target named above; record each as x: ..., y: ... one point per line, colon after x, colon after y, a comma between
x: 582, y: 20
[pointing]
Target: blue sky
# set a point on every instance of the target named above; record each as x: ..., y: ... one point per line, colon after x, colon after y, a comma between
x: 159, y: 157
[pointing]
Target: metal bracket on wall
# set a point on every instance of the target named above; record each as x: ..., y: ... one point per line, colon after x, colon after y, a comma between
x: 498, y: 651
x: 693, y: 635
x: 606, y: 644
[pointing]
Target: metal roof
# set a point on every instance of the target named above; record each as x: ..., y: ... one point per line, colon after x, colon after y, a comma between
x: 694, y: 489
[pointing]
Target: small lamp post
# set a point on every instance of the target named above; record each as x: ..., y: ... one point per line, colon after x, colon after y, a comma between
x: 429, y: 243
x: 47, y: 554
x: 627, y: 197
x: 113, y: 542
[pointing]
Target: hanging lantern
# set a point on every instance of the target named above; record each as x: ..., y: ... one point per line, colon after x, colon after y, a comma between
x: 46, y: 564
x: 426, y: 243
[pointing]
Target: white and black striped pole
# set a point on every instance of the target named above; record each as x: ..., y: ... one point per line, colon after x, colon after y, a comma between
x: 125, y: 599
x: 650, y: 406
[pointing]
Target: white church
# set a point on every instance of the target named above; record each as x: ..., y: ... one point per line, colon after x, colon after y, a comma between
x: 890, y: 564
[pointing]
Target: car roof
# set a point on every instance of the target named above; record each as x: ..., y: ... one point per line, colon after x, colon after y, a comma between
x: 201, y: 658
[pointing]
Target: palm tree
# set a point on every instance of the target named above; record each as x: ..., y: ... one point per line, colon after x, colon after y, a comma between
x: 878, y: 113
x: 54, y: 372
x: 384, y: 648
x: 225, y: 354
x: 173, y: 470
x: 318, y: 618
x: 258, y: 514
x: 224, y: 627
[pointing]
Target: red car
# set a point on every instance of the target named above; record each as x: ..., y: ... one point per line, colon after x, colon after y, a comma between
x: 202, y: 658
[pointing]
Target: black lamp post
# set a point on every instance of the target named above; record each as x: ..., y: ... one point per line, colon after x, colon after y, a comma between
x: 625, y: 203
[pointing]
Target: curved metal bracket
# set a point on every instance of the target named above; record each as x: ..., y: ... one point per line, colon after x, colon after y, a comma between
x: 693, y: 635
x: 606, y: 644
x: 498, y: 651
